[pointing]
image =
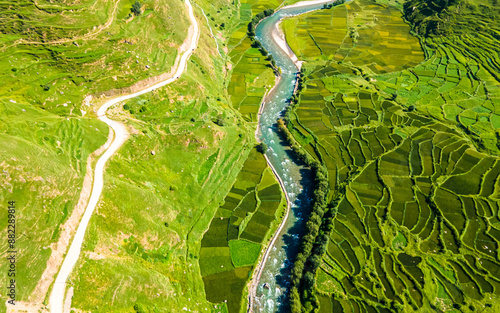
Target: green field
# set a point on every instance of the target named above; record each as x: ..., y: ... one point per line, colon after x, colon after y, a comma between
x: 411, y: 151
x: 242, y: 224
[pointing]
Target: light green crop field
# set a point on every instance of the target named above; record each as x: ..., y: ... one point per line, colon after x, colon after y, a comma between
x: 164, y: 201
x: 411, y: 151
x: 251, y: 79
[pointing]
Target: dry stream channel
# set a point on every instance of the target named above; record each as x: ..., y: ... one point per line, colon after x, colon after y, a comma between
x: 273, y: 283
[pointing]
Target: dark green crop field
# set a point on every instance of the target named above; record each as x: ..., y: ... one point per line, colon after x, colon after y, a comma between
x: 242, y: 224
x: 410, y: 140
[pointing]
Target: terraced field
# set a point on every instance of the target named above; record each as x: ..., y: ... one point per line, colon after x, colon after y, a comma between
x: 361, y: 33
x: 232, y: 244
x: 411, y: 156
x: 251, y: 77
x: 418, y: 205
x: 66, y: 51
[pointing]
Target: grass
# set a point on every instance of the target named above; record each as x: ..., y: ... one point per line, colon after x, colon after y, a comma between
x: 244, y: 253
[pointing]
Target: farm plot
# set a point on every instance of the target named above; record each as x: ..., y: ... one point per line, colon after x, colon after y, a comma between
x: 363, y: 33
x: 417, y: 217
x: 232, y: 244
x: 251, y: 79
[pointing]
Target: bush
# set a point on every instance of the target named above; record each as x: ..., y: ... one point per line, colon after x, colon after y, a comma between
x: 219, y: 120
x: 262, y: 147
x: 136, y: 8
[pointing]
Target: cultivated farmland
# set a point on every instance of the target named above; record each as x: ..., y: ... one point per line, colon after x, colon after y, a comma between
x: 242, y: 224
x: 410, y: 146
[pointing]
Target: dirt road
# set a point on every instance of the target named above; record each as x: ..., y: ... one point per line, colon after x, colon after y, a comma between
x: 120, y: 136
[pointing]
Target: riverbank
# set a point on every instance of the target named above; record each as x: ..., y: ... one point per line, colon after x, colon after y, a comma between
x: 289, y: 175
x: 279, y: 36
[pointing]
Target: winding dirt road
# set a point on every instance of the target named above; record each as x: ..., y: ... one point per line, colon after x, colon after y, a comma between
x: 120, y: 136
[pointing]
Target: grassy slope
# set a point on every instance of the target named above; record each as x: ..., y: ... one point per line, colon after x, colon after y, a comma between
x: 111, y: 49
x: 43, y: 161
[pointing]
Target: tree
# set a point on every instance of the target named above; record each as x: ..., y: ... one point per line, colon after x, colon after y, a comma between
x: 136, y: 8
x: 219, y: 120
x: 262, y: 147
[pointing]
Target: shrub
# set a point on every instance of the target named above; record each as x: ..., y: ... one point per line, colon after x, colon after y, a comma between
x: 136, y: 8
x: 262, y: 147
x: 219, y: 120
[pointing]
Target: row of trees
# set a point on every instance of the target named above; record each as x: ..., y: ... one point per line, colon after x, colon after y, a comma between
x: 256, y: 19
x: 331, y: 5
x: 318, y: 228
x: 319, y: 225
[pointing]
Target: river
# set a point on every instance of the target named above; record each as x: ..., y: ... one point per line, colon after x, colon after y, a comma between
x: 296, y: 178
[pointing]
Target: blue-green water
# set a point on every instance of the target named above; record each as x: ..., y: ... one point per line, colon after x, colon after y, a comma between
x: 296, y: 178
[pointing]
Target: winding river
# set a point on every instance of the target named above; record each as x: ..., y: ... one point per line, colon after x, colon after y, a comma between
x: 273, y: 274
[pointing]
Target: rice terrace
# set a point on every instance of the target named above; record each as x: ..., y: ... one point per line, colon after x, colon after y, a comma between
x: 259, y: 156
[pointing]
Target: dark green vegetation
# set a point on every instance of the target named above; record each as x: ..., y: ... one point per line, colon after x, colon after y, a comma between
x: 414, y: 188
x: 232, y: 244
